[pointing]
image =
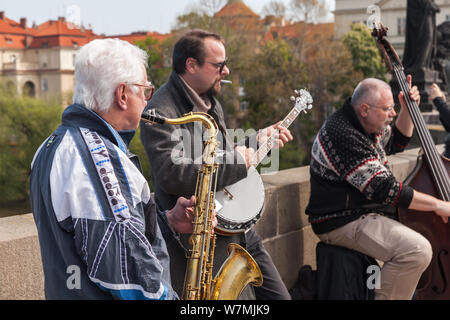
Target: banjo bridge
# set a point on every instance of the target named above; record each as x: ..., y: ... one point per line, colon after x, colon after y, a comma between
x: 228, y: 193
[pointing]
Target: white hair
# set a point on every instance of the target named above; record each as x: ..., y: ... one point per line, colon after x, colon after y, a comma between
x: 100, y: 66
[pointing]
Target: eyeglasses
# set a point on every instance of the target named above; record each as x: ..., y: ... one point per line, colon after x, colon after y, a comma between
x: 219, y: 65
x: 148, y: 91
x: 385, y: 109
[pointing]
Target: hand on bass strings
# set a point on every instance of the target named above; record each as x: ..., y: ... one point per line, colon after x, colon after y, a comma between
x: 414, y: 93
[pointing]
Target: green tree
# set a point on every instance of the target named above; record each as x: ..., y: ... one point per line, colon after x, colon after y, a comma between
x: 158, y: 56
x: 137, y: 148
x: 24, y: 124
x: 271, y: 77
x: 364, y: 51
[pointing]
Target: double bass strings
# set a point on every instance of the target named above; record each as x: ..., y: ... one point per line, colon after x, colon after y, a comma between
x: 436, y: 166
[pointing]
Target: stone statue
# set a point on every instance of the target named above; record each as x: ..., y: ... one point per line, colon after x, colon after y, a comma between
x: 420, y: 48
x: 420, y: 34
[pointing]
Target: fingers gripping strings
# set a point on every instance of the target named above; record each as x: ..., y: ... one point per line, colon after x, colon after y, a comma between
x: 437, y: 168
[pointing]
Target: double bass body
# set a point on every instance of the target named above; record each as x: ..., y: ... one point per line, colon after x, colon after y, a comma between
x: 435, y: 281
x: 431, y: 176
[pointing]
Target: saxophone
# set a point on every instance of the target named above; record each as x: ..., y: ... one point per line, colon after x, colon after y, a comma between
x: 240, y: 269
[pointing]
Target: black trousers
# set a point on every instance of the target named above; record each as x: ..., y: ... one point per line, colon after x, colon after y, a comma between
x: 273, y: 288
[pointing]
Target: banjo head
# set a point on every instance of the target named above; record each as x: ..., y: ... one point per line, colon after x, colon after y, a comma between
x: 241, y: 205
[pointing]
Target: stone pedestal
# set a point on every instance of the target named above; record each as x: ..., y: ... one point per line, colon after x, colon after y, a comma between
x: 423, y: 78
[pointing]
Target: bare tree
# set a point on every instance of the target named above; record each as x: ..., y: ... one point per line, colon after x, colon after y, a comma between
x: 275, y: 8
x: 211, y: 6
x: 309, y: 11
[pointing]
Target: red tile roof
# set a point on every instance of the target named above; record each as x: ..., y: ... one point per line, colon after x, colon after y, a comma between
x: 12, y: 41
x: 61, y: 33
x: 56, y: 33
x: 60, y: 27
x: 235, y: 8
x: 299, y: 29
x: 14, y: 35
x: 136, y: 36
x: 13, y: 27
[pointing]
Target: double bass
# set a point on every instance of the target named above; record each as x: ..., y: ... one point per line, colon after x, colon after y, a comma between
x: 430, y: 176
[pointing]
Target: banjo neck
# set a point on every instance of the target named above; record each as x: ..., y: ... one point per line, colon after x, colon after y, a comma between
x: 302, y: 102
x: 268, y: 145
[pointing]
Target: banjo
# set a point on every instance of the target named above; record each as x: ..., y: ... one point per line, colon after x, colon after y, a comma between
x: 240, y: 205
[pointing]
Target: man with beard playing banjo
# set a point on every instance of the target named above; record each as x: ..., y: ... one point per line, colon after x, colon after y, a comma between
x: 199, y: 66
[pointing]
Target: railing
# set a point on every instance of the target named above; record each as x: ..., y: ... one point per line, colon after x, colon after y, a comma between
x: 20, y: 66
x: 284, y: 227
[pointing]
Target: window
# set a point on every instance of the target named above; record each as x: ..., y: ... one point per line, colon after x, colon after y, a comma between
x: 44, y: 60
x: 243, y: 105
x: 401, y: 26
x: 359, y: 21
x: 44, y: 85
x: 13, y: 58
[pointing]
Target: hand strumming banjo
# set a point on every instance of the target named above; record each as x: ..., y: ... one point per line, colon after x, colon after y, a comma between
x: 241, y: 204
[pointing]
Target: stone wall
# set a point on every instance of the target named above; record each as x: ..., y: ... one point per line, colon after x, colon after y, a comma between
x: 284, y: 228
x: 288, y: 236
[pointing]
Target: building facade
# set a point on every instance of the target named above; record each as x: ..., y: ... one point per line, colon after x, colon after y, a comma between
x: 39, y: 61
x: 391, y: 12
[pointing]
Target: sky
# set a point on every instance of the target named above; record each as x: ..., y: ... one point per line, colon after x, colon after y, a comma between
x: 112, y: 17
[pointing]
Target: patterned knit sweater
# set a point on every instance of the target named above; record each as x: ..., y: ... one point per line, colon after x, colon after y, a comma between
x: 350, y: 174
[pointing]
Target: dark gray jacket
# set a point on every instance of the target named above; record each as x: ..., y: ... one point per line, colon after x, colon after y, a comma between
x: 172, y: 180
x: 162, y: 143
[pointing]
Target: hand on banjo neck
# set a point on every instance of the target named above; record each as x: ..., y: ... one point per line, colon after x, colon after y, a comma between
x: 275, y: 136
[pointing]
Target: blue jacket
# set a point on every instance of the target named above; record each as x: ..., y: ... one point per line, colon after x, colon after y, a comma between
x: 99, y: 230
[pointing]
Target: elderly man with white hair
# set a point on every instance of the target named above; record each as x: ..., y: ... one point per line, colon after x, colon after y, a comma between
x: 100, y: 233
x: 350, y: 168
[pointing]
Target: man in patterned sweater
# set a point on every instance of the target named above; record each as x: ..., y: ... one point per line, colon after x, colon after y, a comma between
x: 349, y: 168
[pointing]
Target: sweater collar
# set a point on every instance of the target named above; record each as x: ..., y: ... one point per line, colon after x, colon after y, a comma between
x: 187, y: 103
x: 350, y: 113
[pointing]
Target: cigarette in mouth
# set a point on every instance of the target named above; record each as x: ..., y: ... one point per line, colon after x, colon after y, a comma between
x: 226, y: 81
